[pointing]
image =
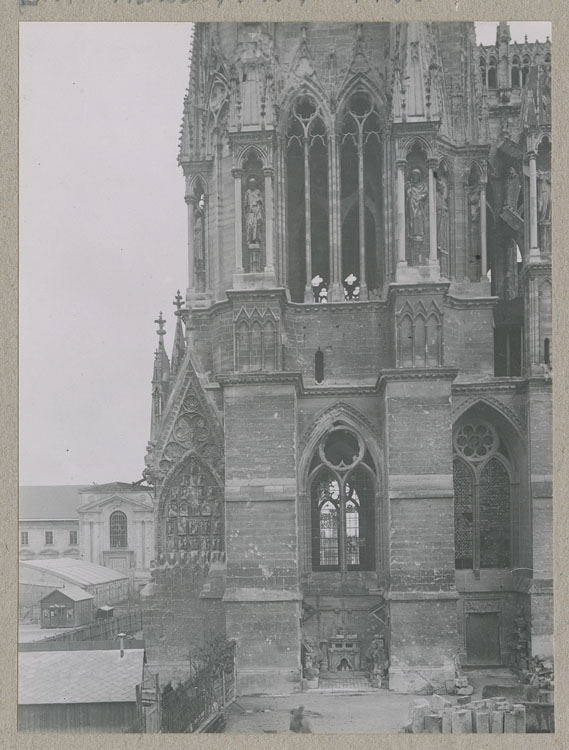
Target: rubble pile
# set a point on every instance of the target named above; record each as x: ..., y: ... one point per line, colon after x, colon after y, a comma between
x: 539, y: 673
x: 488, y: 716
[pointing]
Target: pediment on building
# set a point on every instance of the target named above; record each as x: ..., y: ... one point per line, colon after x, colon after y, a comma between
x: 141, y: 501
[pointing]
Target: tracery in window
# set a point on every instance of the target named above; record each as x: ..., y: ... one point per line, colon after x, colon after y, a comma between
x: 307, y: 197
x: 342, y: 496
x: 361, y: 190
x: 118, y: 529
x: 482, y: 498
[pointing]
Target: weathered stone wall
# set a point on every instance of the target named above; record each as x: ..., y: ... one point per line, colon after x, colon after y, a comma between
x: 262, y: 597
x: 422, y: 595
x: 469, y: 339
x: 177, y: 621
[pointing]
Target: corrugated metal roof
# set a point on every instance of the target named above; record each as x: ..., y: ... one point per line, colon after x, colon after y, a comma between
x: 71, y: 592
x: 49, y: 677
x: 74, y: 571
x: 49, y: 502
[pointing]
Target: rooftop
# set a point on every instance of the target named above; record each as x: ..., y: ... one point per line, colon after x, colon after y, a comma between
x: 49, y: 502
x: 71, y: 592
x: 48, y: 677
x: 115, y: 487
x: 71, y: 570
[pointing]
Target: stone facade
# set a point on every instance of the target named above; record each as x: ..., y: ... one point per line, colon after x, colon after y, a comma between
x: 353, y: 433
x: 116, y: 524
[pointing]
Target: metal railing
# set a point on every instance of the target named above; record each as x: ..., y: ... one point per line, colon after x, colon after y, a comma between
x: 196, y: 702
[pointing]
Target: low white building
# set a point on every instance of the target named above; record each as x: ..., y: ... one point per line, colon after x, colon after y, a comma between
x: 49, y: 524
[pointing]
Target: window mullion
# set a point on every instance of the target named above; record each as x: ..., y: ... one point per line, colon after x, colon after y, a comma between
x: 476, y: 527
x: 342, y: 528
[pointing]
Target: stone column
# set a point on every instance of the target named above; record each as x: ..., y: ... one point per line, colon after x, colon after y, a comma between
x: 534, y: 248
x: 269, y: 248
x: 191, y: 204
x: 335, y: 229
x: 433, y: 260
x: 307, y: 223
x: 237, y: 175
x: 361, y: 213
x: 401, y: 165
x: 483, y: 248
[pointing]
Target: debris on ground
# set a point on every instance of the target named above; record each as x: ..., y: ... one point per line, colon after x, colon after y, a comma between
x: 491, y: 715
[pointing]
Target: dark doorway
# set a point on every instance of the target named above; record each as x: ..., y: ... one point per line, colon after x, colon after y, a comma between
x: 483, y: 638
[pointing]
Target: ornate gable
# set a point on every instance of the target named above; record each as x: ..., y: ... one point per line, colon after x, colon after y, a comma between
x: 191, y: 424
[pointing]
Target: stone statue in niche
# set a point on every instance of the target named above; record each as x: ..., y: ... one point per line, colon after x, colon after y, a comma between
x: 474, y: 207
x: 417, y: 196
x: 544, y: 210
x: 513, y: 189
x: 544, y: 195
x: 199, y: 243
x: 442, y: 202
x: 253, y: 211
x: 473, y: 199
x: 254, y: 223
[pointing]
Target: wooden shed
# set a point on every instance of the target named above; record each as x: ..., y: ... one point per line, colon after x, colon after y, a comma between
x: 67, y: 607
x: 88, y: 688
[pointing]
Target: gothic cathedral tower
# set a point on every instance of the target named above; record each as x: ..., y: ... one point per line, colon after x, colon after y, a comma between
x: 351, y: 443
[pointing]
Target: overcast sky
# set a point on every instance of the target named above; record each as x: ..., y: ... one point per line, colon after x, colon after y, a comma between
x: 102, y: 237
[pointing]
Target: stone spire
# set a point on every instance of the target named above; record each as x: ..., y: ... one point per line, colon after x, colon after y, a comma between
x: 416, y: 87
x: 160, y: 380
x: 503, y: 39
x: 179, y: 349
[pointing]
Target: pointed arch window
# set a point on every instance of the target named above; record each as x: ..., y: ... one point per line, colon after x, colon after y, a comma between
x: 482, y: 64
x: 307, y: 197
x: 482, y: 499
x: 492, y: 74
x: 361, y: 188
x: 342, y: 498
x: 515, y: 72
x: 118, y: 529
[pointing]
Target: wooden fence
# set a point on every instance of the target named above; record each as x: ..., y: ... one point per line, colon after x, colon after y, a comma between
x: 105, y: 630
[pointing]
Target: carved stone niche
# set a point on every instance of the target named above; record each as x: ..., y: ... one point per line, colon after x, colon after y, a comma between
x: 343, y: 653
x: 192, y: 527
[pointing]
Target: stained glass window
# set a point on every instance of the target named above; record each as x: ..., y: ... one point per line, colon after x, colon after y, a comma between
x: 482, y: 511
x: 463, y: 515
x: 495, y: 516
x: 342, y: 500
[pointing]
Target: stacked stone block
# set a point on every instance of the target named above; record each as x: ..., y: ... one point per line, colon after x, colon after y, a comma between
x: 489, y: 716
